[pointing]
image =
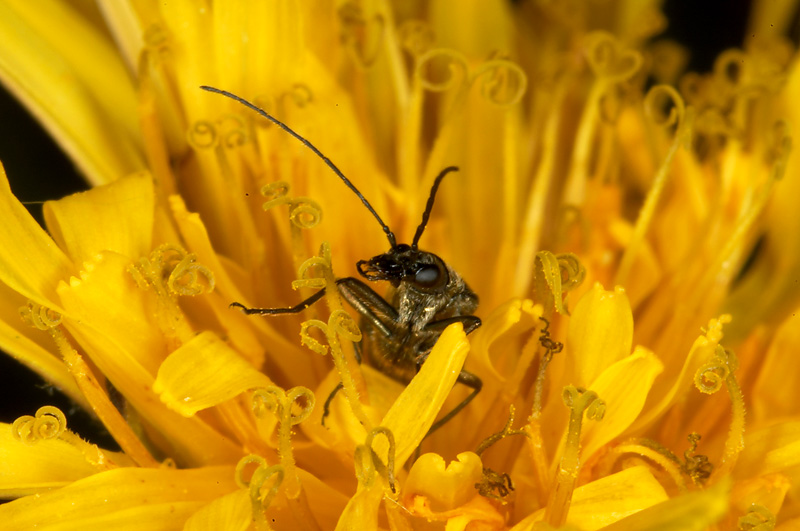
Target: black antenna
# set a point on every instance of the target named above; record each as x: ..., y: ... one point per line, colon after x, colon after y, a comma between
x: 309, y: 145
x: 429, y: 205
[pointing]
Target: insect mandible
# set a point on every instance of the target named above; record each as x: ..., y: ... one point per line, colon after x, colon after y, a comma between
x: 428, y: 294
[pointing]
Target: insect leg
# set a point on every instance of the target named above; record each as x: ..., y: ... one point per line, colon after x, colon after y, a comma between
x: 326, y: 409
x: 470, y: 322
x: 471, y: 381
x: 368, y: 304
x: 277, y: 311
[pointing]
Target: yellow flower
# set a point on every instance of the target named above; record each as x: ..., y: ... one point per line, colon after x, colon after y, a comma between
x: 635, y: 255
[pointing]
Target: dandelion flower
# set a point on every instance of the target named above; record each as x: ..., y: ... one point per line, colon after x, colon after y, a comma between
x: 629, y: 227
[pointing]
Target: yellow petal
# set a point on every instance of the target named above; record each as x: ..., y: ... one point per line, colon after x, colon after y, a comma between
x: 116, y: 217
x: 768, y: 491
x: 688, y: 512
x: 120, y: 341
x: 606, y: 500
x: 107, y: 298
x: 124, y: 25
x: 495, y: 345
x: 623, y: 387
x: 88, y: 106
x: 232, y: 512
x: 361, y: 512
x: 32, y: 347
x: 203, y: 373
x: 789, y: 525
x: 602, y: 502
x: 194, y: 233
x: 415, y: 410
x: 477, y: 513
x: 775, y: 392
x: 446, y: 488
x: 32, y: 468
x: 31, y: 264
x: 125, y: 498
x: 600, y: 332
x: 662, y: 399
x: 264, y: 33
x: 771, y: 449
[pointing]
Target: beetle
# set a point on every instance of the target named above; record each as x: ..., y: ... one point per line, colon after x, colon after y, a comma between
x: 428, y: 294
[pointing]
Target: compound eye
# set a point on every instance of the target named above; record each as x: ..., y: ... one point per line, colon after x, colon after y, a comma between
x: 428, y: 276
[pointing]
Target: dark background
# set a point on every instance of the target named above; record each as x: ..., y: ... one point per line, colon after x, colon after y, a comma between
x: 39, y: 171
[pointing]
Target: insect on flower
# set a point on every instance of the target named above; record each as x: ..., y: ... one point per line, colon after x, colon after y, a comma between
x: 428, y: 295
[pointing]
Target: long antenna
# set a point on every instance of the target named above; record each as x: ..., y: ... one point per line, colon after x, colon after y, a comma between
x: 429, y: 205
x: 312, y: 147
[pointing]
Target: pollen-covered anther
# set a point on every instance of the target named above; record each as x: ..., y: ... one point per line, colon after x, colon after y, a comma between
x: 339, y: 324
x: 156, y: 38
x: 48, y: 423
x: 202, y: 135
x: 647, y: 449
x: 696, y: 466
x: 322, y: 265
x: 312, y: 343
x: 41, y: 317
x: 362, y: 36
x: 188, y: 278
x: 416, y: 36
x: 300, y: 94
x: 579, y: 401
x: 457, y: 68
x: 263, y: 486
x: 285, y: 406
x: 369, y: 465
x: 711, y: 375
x: 780, y: 147
x: 609, y: 60
x: 495, y: 485
x: 573, y: 273
x: 304, y: 213
x: 502, y: 82
x: 555, y: 275
x: 171, y: 271
x: 234, y: 131
x: 664, y: 106
x: 230, y: 131
x: 494, y: 438
x: 758, y: 518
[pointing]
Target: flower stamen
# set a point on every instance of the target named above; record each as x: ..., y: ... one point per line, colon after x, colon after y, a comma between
x: 50, y: 423
x: 534, y: 426
x: 709, y: 379
x: 578, y: 401
x: 696, y: 466
x: 554, y: 276
x: 368, y: 464
x: 280, y: 403
x: 98, y: 399
x: 172, y: 272
x: 681, y: 116
x: 339, y: 324
x: 651, y: 451
x: 263, y: 473
x: 304, y: 213
x: 758, y: 518
x: 493, y: 484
